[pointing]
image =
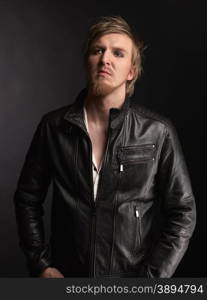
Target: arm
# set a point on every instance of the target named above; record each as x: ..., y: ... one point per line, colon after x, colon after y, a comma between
x: 31, y: 191
x: 177, y: 207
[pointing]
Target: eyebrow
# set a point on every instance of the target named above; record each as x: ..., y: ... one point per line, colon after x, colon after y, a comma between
x: 115, y: 48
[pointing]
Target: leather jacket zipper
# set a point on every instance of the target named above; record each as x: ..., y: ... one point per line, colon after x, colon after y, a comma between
x: 93, y: 216
x: 93, y: 221
x: 92, y: 248
x: 93, y: 241
x: 138, y: 228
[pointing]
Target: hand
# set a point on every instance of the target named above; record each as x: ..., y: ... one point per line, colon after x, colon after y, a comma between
x: 51, y: 273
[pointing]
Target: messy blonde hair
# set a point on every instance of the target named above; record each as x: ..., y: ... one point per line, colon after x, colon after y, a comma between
x: 116, y: 24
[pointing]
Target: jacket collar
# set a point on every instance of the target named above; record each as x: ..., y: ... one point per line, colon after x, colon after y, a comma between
x: 75, y: 113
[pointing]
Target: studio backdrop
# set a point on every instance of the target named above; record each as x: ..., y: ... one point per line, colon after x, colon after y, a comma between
x: 41, y: 69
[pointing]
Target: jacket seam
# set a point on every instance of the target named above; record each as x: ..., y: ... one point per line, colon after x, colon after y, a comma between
x: 165, y: 122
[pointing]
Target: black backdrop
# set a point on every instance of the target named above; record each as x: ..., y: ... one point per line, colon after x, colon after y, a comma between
x: 41, y: 69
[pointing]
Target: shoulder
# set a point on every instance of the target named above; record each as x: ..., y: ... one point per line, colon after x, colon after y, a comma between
x: 56, y: 114
x: 54, y: 118
x: 147, y: 115
x: 52, y: 121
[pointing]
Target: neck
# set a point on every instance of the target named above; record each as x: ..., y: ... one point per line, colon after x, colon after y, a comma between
x: 98, y: 107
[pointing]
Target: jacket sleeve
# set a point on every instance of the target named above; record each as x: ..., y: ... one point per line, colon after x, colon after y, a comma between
x: 177, y: 207
x: 30, y: 193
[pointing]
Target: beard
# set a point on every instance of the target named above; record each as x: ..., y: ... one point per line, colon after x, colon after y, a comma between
x: 100, y: 88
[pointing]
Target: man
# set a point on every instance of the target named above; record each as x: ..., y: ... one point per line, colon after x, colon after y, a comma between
x: 122, y: 199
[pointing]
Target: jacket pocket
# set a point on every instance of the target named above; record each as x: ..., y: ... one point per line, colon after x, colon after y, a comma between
x: 128, y: 228
x: 135, y: 154
x: 127, y: 251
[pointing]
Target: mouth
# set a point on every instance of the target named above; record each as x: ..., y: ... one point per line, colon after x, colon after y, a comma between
x: 103, y: 72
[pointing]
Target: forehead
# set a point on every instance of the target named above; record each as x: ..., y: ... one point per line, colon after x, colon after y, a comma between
x: 118, y: 40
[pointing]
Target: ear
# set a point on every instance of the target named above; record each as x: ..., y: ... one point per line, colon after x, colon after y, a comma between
x: 131, y: 73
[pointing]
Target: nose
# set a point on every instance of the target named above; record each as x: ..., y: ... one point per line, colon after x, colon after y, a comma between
x: 106, y: 58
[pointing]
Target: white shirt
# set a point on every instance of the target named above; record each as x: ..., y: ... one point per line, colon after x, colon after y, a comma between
x: 95, y: 170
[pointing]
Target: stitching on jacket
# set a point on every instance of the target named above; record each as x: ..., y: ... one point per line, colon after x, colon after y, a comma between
x: 76, y: 167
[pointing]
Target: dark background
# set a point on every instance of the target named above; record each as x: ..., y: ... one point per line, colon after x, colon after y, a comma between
x: 41, y: 69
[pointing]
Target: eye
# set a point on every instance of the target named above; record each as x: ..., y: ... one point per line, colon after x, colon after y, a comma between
x: 96, y: 51
x: 118, y: 53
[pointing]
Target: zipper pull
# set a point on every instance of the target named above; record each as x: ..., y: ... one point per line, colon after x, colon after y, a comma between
x: 121, y: 168
x: 136, y: 212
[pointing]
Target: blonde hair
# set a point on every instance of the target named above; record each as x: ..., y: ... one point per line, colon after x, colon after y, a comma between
x: 116, y: 24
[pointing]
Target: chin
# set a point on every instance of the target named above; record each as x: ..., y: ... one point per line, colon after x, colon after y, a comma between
x: 101, y: 89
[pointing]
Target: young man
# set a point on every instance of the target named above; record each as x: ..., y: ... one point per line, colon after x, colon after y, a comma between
x: 122, y: 199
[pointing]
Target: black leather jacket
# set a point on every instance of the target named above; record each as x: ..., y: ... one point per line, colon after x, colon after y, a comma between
x: 144, y: 214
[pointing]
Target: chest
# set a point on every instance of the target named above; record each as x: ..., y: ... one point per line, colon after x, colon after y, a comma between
x: 98, y: 136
